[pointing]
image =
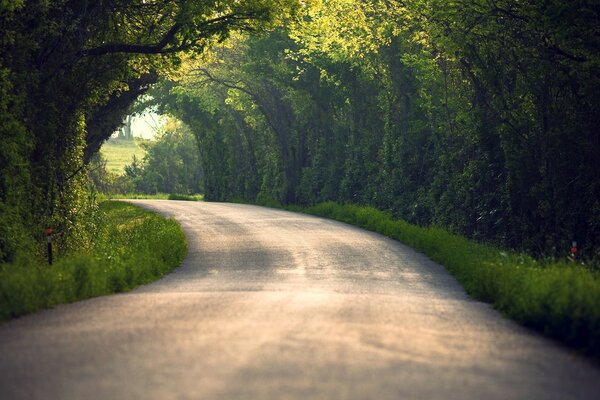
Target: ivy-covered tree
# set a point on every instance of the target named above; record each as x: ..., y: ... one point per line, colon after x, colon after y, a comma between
x: 69, y: 70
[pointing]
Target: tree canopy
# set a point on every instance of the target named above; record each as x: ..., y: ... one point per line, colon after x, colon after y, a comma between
x: 480, y: 116
x: 69, y: 70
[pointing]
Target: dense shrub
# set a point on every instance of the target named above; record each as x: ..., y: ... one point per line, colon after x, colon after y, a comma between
x: 171, y: 163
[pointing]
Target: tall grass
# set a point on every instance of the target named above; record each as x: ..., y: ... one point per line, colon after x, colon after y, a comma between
x: 561, y: 299
x: 134, y: 247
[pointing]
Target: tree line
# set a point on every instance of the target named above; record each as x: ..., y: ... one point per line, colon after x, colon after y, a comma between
x: 479, y: 116
x: 69, y: 71
x: 170, y: 165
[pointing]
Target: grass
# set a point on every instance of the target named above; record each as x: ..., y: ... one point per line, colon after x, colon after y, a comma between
x: 560, y: 299
x: 119, y: 153
x: 134, y: 247
x: 158, y: 196
x: 186, y: 197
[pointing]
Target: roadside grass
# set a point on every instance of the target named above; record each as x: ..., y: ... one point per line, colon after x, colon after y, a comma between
x: 186, y: 197
x: 134, y: 247
x: 157, y: 196
x: 558, y: 298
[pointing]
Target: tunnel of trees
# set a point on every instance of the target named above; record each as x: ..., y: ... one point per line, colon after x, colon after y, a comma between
x: 69, y: 71
x: 480, y: 116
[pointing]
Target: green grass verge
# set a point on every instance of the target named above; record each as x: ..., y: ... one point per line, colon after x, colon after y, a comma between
x: 157, y: 196
x: 134, y: 247
x: 561, y: 299
x: 186, y: 197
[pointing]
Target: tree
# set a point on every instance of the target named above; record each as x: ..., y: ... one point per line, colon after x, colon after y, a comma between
x: 479, y: 116
x: 171, y: 163
x: 70, y: 70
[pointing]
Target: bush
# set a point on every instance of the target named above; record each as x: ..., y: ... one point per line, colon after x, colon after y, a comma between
x: 133, y: 247
x: 171, y: 163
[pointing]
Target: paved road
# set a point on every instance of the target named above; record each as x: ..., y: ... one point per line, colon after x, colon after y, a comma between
x: 276, y: 305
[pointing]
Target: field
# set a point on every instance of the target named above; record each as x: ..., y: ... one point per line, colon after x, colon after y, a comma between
x: 119, y: 153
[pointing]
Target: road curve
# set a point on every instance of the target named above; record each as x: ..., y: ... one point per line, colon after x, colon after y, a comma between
x: 277, y: 305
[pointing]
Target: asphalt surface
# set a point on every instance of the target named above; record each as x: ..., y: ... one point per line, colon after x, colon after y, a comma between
x: 276, y: 305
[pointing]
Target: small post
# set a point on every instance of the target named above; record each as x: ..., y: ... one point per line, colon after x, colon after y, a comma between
x: 573, y: 249
x: 48, y: 232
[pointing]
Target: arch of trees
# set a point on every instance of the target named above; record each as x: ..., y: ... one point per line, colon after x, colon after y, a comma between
x: 69, y: 71
x: 480, y: 116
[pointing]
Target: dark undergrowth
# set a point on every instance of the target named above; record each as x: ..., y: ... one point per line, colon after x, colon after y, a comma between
x: 558, y: 298
x: 133, y: 247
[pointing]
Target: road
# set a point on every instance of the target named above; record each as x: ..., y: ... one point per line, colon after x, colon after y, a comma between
x: 277, y: 305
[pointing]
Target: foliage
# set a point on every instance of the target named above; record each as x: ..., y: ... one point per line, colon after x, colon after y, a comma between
x: 132, y: 247
x: 481, y: 117
x: 561, y: 299
x: 171, y: 163
x: 104, y: 181
x: 69, y: 71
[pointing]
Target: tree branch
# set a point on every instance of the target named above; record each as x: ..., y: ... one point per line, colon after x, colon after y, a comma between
x: 135, y: 48
x: 104, y: 120
x: 162, y: 47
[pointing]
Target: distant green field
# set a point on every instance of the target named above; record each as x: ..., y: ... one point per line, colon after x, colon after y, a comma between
x: 119, y: 153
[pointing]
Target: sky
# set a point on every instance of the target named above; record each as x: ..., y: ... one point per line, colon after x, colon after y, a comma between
x: 146, y: 125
